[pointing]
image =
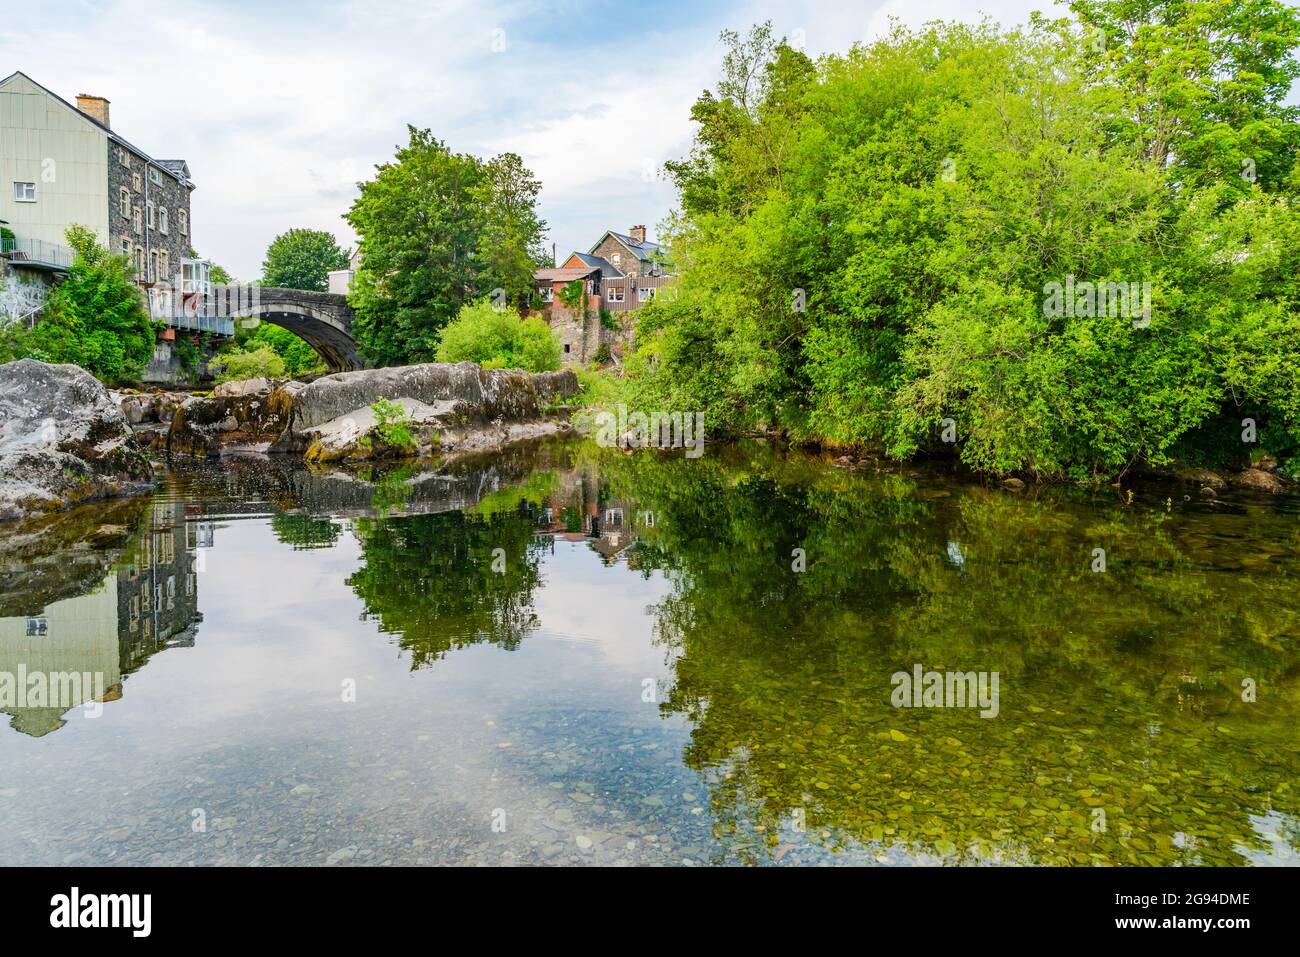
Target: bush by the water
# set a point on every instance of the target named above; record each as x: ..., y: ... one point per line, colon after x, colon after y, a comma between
x: 498, y: 339
x: 256, y: 361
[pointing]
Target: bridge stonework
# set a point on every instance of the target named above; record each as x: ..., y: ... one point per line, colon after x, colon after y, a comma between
x: 322, y: 319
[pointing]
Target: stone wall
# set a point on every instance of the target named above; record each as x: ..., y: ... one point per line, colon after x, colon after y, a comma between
x: 581, y: 337
x: 628, y: 264
x: 169, y: 194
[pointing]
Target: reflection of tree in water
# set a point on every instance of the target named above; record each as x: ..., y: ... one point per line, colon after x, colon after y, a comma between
x: 1120, y: 692
x: 429, y: 579
x: 305, y: 531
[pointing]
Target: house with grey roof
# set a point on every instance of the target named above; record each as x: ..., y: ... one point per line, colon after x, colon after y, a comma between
x: 620, y: 272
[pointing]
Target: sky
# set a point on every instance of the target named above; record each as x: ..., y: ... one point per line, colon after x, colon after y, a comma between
x: 280, y: 108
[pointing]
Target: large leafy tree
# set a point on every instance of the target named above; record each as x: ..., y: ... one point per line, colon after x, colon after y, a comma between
x: 511, y: 245
x: 95, y: 318
x: 438, y: 229
x: 302, y: 259
x: 1203, y: 84
x: 867, y: 245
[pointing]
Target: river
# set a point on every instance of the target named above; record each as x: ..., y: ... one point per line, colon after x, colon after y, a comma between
x: 565, y: 655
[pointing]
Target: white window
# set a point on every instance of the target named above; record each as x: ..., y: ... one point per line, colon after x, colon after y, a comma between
x: 616, y: 258
x: 126, y: 246
x: 122, y: 158
x: 24, y: 192
x: 162, y: 219
x: 153, y: 263
x: 183, y: 218
x: 155, y: 176
x: 646, y: 293
x: 136, y: 182
x: 614, y: 293
x: 136, y: 220
x: 548, y: 294
x: 124, y: 202
x: 164, y: 264
x: 149, y: 214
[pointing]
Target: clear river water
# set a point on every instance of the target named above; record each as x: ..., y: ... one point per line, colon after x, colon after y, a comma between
x: 560, y: 654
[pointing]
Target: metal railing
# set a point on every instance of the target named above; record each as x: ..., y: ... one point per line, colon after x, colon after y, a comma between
x: 220, y: 325
x: 36, y: 251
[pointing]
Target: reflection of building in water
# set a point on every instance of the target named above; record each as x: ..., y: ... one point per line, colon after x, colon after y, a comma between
x: 576, y: 511
x: 148, y: 603
x: 158, y: 595
x: 76, y: 635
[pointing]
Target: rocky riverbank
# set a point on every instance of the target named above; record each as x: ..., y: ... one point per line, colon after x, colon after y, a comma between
x: 63, y: 440
x: 441, y: 407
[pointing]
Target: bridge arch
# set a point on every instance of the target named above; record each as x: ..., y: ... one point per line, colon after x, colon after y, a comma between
x: 323, y: 320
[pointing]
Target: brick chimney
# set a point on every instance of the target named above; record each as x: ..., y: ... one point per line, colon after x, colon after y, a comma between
x: 96, y: 107
x: 637, y: 233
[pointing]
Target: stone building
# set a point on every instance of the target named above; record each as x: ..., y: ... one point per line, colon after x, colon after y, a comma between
x: 620, y: 272
x: 62, y: 165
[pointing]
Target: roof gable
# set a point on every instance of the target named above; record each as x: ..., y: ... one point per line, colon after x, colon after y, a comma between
x: 162, y: 165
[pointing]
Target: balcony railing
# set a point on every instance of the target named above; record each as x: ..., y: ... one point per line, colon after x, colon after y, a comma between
x: 220, y: 325
x: 36, y: 251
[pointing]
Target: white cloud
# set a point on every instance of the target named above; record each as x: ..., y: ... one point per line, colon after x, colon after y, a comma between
x: 280, y: 109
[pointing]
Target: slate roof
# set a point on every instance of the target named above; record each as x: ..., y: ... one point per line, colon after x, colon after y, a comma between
x: 607, y: 269
x: 642, y: 251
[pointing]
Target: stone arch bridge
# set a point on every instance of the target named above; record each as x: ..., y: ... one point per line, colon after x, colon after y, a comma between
x: 322, y: 319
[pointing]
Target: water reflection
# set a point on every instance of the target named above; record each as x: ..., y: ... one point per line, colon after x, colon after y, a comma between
x: 63, y: 652
x: 1125, y: 732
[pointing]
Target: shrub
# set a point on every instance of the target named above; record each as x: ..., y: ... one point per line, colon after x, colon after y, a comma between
x: 392, y: 424
x: 96, y: 317
x: 257, y: 362
x: 497, y: 338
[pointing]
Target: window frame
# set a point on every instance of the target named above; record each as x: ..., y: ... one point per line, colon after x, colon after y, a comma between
x: 610, y: 289
x: 162, y: 220
x: 25, y: 194
x: 155, y: 176
x: 124, y: 202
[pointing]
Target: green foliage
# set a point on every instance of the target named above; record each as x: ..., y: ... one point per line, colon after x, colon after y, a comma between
x: 498, y: 339
x: 95, y: 318
x: 257, y: 361
x: 438, y: 229
x: 299, y: 357
x: 302, y: 259
x: 392, y: 424
x: 867, y: 243
x: 574, y: 295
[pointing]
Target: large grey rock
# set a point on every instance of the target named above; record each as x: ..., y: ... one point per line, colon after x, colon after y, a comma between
x: 450, y: 406
x: 63, y: 440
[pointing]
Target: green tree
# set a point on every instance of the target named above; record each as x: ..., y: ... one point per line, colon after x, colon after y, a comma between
x: 511, y: 246
x: 497, y: 338
x: 438, y: 229
x: 302, y: 259
x: 868, y: 247
x: 1203, y: 83
x: 95, y: 318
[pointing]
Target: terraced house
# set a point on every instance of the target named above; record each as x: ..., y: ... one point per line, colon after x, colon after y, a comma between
x: 619, y: 273
x: 62, y: 164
